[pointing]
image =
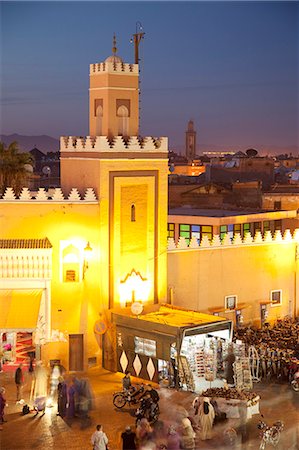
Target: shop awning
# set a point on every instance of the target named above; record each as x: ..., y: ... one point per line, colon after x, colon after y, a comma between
x: 19, y: 309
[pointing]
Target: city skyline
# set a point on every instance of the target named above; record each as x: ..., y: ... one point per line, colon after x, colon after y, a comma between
x: 231, y: 67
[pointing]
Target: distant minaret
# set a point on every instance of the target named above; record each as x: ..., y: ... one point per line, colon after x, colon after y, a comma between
x: 190, y: 141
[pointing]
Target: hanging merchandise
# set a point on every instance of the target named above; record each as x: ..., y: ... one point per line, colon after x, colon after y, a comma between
x: 243, y: 379
x: 185, y: 373
x: 254, y: 361
x: 210, y: 364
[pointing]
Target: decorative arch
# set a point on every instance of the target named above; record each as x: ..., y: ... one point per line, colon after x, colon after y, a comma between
x: 123, y: 120
x: 71, y: 263
x: 99, y: 120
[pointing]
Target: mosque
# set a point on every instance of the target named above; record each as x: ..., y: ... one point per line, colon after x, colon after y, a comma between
x: 83, y: 264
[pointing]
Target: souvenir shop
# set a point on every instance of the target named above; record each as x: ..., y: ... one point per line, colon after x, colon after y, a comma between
x: 171, y: 346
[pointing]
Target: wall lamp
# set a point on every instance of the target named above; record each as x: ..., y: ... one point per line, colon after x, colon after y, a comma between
x: 87, y: 255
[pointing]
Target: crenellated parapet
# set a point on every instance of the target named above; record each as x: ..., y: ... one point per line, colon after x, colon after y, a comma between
x: 103, y: 144
x: 52, y: 195
x: 113, y: 67
x: 236, y: 241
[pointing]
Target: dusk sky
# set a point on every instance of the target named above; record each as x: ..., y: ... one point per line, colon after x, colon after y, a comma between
x: 230, y: 66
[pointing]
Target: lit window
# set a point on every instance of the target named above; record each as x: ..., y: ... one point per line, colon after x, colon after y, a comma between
x: 246, y: 228
x: 223, y: 231
x: 170, y: 229
x: 185, y: 232
x: 195, y: 232
x: 276, y: 297
x: 207, y: 230
x: 230, y: 302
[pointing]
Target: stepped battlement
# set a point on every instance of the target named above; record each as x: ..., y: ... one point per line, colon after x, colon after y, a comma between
x: 51, y: 196
x: 237, y: 240
x: 113, y: 67
x: 116, y: 144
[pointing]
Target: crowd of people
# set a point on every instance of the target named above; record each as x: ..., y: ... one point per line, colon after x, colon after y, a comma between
x: 50, y: 386
x: 186, y: 428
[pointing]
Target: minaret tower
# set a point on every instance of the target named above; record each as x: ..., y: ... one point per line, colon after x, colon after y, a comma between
x: 190, y: 142
x: 129, y: 177
x: 113, y: 97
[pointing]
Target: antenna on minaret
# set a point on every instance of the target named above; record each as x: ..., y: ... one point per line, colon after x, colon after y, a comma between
x: 114, y: 48
x: 137, y: 37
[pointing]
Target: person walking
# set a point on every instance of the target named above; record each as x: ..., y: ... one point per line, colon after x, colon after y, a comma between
x: 128, y: 439
x: 61, y: 398
x: 206, y: 418
x: 99, y: 439
x: 2, y: 405
x: 229, y: 366
x: 19, y: 380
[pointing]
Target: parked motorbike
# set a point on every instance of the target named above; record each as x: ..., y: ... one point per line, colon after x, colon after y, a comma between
x: 148, y: 410
x: 130, y: 396
x: 270, y: 435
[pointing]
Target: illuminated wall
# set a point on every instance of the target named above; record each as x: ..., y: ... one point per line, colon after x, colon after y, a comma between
x: 200, y: 278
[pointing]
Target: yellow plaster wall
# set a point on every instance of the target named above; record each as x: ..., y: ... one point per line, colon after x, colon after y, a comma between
x: 79, y: 302
x: 130, y: 167
x: 202, y: 278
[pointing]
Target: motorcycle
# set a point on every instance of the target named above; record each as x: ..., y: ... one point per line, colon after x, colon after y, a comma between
x: 148, y: 410
x: 131, y: 396
x: 270, y: 435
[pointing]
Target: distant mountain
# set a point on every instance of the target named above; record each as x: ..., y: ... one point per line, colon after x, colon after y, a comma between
x: 26, y: 143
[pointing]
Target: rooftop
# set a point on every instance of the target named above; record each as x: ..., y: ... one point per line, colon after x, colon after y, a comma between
x: 185, y: 211
x: 25, y: 243
x: 179, y: 317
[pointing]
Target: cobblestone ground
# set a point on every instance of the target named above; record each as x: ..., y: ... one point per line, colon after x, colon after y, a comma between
x: 278, y: 402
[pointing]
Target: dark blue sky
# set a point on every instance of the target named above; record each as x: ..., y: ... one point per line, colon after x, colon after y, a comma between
x: 230, y: 66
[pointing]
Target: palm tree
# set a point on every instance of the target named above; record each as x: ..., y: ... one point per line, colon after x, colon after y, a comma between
x: 14, y: 167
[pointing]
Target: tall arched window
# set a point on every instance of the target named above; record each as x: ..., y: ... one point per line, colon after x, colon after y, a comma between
x: 123, y: 121
x: 99, y: 119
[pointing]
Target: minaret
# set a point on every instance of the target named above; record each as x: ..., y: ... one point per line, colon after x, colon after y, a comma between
x: 113, y: 97
x: 129, y: 176
x: 190, y: 142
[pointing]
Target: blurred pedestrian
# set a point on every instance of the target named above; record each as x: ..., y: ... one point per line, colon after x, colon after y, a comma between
x: 39, y: 405
x: 188, y: 435
x: 173, y: 439
x: 70, y: 393
x: 19, y: 381
x: 61, y: 398
x: 31, y: 360
x: 206, y: 418
x: 99, y: 439
x: 126, y: 381
x: 41, y: 381
x: 128, y: 439
x: 144, y: 432
x: 229, y: 366
x: 2, y: 405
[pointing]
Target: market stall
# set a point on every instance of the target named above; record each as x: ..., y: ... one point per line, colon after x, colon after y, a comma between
x: 272, y: 350
x: 171, y: 345
x: 231, y: 400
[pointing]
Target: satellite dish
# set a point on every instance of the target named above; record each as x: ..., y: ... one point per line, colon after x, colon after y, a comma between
x: 46, y: 170
x: 251, y: 152
x: 136, y: 308
x: 28, y: 168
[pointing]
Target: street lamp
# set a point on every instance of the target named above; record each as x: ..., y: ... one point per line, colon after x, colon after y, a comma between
x: 87, y: 255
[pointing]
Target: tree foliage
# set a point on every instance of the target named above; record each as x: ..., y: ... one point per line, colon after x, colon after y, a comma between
x: 14, y: 167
